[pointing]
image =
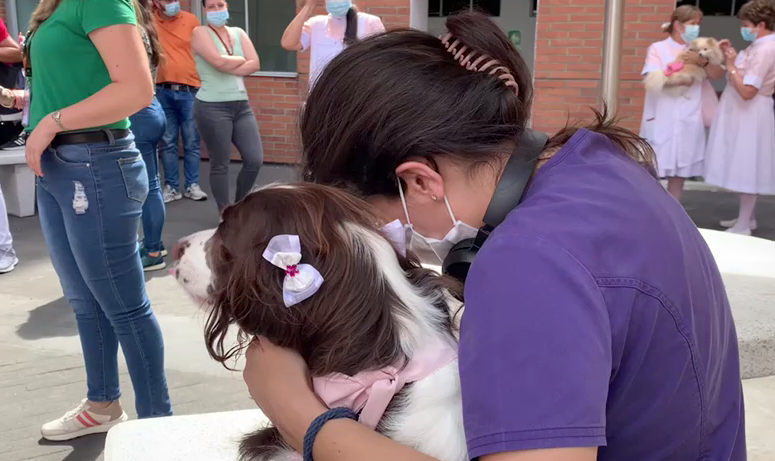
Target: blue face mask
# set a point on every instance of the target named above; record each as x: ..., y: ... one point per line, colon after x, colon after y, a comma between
x: 172, y: 9
x: 748, y: 34
x: 217, y: 18
x: 338, y: 9
x: 690, y: 33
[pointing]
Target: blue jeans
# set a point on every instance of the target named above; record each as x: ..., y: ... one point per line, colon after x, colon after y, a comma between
x: 179, y: 109
x: 148, y: 126
x: 90, y: 199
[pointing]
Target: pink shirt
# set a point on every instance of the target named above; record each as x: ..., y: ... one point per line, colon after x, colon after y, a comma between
x: 756, y: 65
x: 324, y: 36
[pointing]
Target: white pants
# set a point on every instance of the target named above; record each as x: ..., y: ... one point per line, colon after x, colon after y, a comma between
x: 6, y: 241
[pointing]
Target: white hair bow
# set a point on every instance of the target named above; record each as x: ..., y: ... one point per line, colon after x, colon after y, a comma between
x: 301, y: 280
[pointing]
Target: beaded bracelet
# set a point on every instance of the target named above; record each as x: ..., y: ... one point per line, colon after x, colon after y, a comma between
x: 319, y: 422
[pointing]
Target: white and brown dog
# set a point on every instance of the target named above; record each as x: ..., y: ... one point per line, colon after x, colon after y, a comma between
x: 677, y: 80
x: 376, y: 310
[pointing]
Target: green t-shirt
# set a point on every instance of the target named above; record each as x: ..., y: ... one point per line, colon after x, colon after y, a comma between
x: 66, y: 66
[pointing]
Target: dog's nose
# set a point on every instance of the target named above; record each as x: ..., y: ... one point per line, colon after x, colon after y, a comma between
x: 179, y: 249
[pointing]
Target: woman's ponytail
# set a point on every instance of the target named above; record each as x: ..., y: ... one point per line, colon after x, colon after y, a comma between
x: 351, y: 33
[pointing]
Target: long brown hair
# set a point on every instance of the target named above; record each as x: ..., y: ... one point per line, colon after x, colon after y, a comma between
x: 43, y: 11
x: 401, y: 94
x: 146, y: 20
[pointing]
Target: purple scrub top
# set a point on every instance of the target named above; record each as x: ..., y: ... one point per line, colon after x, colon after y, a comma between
x: 596, y: 317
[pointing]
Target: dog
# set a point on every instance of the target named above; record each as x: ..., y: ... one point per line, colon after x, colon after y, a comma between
x: 374, y: 308
x: 678, y: 77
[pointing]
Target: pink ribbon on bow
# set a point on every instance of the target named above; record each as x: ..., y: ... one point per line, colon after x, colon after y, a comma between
x: 370, y: 392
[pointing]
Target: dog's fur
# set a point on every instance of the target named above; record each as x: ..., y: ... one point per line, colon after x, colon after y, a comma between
x: 375, y: 308
x: 678, y: 83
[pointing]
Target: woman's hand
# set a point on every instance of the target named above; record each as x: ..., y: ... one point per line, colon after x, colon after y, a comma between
x: 38, y: 142
x: 278, y: 381
x: 729, y: 53
x: 309, y: 3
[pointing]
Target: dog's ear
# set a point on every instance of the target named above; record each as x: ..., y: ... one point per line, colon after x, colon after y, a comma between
x: 712, y: 42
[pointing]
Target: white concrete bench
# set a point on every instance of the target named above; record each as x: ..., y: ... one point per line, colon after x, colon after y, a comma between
x: 746, y: 263
x: 18, y: 182
x: 216, y: 436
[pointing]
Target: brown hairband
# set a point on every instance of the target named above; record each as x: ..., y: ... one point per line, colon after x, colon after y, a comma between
x: 463, y: 56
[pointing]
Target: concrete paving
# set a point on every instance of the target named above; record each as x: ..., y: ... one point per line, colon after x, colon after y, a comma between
x: 41, y: 369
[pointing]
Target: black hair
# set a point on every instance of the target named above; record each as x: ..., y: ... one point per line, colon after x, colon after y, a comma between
x: 401, y: 94
x: 351, y: 33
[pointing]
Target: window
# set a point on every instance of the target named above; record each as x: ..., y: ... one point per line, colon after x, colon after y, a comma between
x: 716, y: 7
x: 441, y: 8
x: 265, y: 21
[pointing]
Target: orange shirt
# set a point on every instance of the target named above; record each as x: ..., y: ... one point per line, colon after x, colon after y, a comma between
x: 176, y: 35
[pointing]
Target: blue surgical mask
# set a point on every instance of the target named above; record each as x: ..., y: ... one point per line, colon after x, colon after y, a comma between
x: 690, y: 33
x: 748, y: 34
x: 338, y: 9
x: 172, y: 9
x: 217, y: 18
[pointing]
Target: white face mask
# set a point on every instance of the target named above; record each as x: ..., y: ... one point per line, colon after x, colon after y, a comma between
x: 430, y: 250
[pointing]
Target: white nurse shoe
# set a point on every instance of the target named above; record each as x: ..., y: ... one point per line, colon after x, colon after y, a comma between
x: 731, y: 223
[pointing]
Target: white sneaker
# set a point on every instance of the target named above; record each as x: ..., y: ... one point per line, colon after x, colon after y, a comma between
x: 731, y: 223
x: 194, y: 192
x: 170, y: 194
x: 83, y: 420
x: 8, y: 261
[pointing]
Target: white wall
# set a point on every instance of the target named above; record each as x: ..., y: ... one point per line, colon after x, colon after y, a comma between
x: 515, y: 15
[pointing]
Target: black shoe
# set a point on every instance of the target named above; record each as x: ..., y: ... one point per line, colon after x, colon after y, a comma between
x: 19, y: 141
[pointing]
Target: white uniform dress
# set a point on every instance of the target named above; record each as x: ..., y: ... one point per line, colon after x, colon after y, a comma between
x: 741, y: 146
x: 673, y: 125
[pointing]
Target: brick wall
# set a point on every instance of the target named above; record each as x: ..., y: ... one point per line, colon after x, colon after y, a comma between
x: 569, y: 59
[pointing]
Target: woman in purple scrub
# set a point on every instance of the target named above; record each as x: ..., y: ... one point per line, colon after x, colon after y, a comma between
x: 596, y: 325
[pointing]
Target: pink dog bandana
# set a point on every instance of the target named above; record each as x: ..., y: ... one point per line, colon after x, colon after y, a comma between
x: 674, y: 67
x: 370, y: 392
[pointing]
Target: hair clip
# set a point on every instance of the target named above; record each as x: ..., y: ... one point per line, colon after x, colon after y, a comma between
x: 301, y: 280
x: 464, y: 56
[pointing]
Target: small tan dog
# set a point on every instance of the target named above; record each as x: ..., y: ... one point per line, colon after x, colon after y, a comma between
x: 677, y: 79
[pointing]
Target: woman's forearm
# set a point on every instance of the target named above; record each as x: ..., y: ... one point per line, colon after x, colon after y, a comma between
x: 229, y: 63
x: 291, y: 39
x: 10, y: 54
x: 347, y: 440
x: 109, y: 105
x: 247, y: 68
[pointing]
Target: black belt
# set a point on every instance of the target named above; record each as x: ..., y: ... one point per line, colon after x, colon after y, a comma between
x: 88, y: 137
x: 179, y: 87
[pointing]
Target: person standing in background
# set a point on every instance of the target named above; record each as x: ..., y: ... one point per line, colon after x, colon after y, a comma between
x: 148, y: 126
x: 673, y: 124
x: 327, y: 35
x: 741, y: 145
x: 89, y: 72
x: 10, y: 52
x: 224, y: 56
x: 177, y: 85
